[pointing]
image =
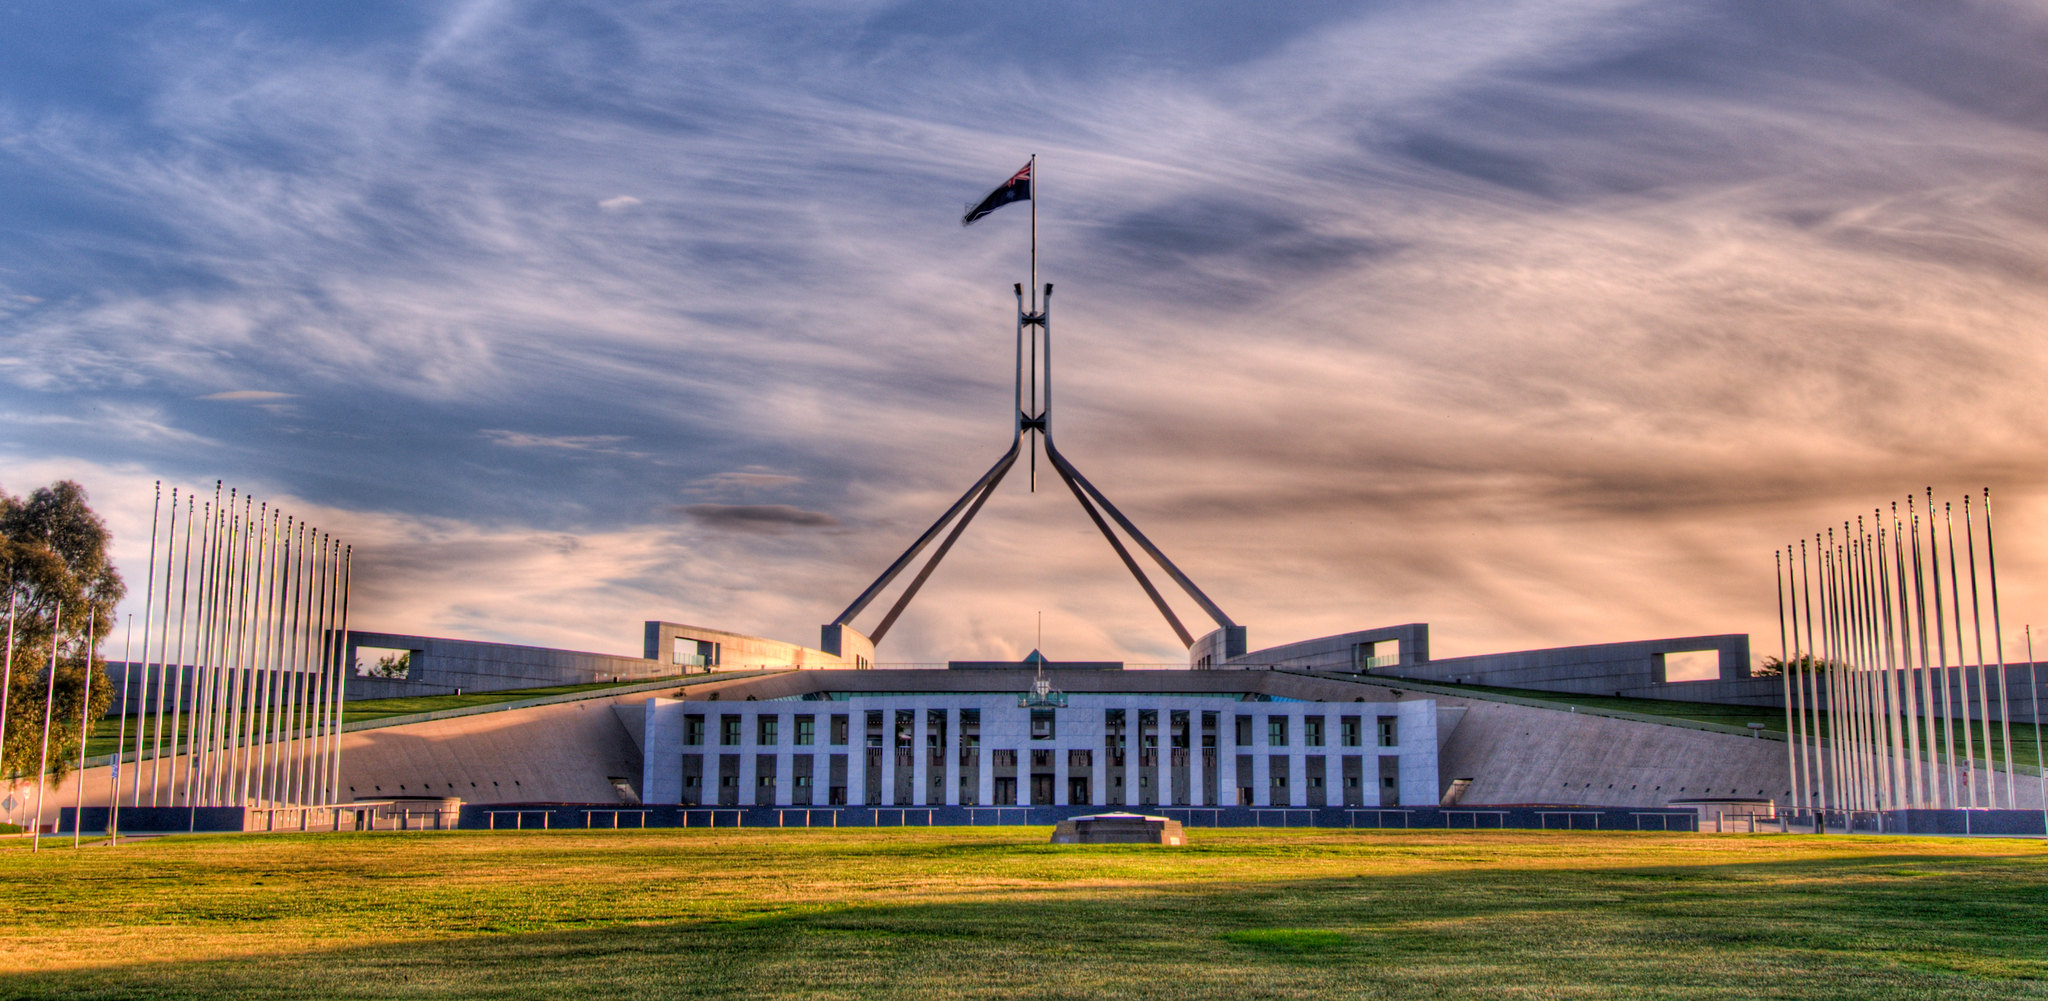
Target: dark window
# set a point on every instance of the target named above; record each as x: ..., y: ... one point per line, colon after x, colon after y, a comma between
x: 729, y: 731
x: 764, y: 730
x: 806, y: 731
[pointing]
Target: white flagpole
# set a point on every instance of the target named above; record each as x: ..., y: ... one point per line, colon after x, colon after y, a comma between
x: 84, y: 717
x: 49, y: 699
x: 6, y: 672
x: 121, y: 741
x: 128, y: 668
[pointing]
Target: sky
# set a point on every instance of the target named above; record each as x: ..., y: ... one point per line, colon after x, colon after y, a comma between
x: 1541, y: 322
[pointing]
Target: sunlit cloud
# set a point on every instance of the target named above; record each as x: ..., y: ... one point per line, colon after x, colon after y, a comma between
x: 1542, y: 322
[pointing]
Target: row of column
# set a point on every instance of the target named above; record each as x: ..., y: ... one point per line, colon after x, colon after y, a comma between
x: 1078, y: 728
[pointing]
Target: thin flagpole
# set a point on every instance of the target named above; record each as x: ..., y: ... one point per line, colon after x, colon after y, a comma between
x: 162, y: 668
x: 1895, y: 722
x: 1955, y: 590
x: 49, y: 699
x: 1815, y: 760
x: 1998, y: 645
x: 2034, y: 696
x: 6, y: 674
x: 341, y: 656
x: 121, y: 741
x: 1802, y: 788
x: 1948, y: 710
x: 1904, y: 676
x: 84, y: 717
x: 1785, y: 678
x: 302, y: 611
x: 186, y: 687
x: 1983, y: 681
x: 128, y: 667
x: 1927, y: 717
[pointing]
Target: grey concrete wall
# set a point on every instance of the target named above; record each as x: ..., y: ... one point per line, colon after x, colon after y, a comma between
x: 441, y: 666
x: 1627, y: 669
x: 737, y: 652
x: 1340, y: 651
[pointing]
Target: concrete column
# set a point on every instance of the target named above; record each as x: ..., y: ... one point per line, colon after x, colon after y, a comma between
x: 1196, y: 773
x: 821, y: 768
x: 1059, y: 770
x: 1162, y: 778
x: 856, y: 757
x: 1333, y: 770
x: 749, y: 774
x: 1369, y: 772
x: 785, y: 760
x: 985, y: 761
x: 1226, y: 758
x: 1262, y: 761
x: 952, y: 753
x: 920, y: 759
x: 1098, y: 772
x: 1297, y: 759
x: 1133, y: 750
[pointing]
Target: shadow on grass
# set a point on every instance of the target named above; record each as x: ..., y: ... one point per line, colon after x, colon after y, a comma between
x: 1899, y: 926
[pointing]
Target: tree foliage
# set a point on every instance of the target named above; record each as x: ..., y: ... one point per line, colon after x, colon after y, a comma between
x: 1805, y: 663
x: 53, y: 554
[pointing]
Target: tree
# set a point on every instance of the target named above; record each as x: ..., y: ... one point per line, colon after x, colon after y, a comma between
x: 1805, y: 663
x: 396, y: 665
x: 53, y: 551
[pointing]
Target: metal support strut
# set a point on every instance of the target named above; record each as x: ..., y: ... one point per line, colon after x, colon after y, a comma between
x: 1033, y: 416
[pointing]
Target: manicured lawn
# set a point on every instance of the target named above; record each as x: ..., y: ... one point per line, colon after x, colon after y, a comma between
x: 2023, y: 739
x: 107, y: 731
x: 998, y: 913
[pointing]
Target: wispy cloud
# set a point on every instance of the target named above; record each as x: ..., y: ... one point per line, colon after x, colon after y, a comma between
x: 248, y: 395
x: 756, y: 517
x: 1539, y: 321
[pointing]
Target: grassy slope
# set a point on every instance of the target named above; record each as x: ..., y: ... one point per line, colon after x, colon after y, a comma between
x: 107, y: 731
x: 2023, y: 746
x: 996, y: 912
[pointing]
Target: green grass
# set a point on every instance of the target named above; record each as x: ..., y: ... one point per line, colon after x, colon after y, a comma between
x: 106, y: 732
x: 1773, y: 720
x: 998, y: 913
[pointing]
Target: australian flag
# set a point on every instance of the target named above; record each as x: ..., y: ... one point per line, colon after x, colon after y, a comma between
x: 1016, y: 189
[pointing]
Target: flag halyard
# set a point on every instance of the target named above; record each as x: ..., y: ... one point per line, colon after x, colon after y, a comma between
x: 1016, y: 189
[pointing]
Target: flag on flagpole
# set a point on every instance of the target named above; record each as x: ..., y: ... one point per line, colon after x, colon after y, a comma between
x: 1016, y: 189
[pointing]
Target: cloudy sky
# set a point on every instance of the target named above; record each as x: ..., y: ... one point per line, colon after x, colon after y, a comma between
x: 1541, y: 321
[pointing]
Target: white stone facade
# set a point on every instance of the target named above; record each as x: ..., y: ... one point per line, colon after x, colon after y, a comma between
x: 980, y: 749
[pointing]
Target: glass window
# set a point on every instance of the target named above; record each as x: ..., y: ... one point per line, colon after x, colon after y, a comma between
x: 1276, y: 731
x: 1244, y: 730
x: 693, y: 730
x: 1041, y: 724
x: 839, y: 730
x: 765, y: 730
x: 729, y: 731
x: 1312, y: 731
x: 1348, y: 731
x: 1389, y: 737
x: 806, y: 731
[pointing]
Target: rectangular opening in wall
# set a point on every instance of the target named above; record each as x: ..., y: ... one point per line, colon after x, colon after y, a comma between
x: 695, y: 653
x: 383, y: 662
x: 1379, y: 653
x: 1691, y: 665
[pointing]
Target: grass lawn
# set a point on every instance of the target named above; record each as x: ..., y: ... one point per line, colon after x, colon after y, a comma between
x: 998, y: 913
x: 107, y: 731
x: 2023, y: 746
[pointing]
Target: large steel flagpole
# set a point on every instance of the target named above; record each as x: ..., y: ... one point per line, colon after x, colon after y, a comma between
x: 128, y: 668
x: 1998, y: 645
x: 49, y: 699
x: 84, y: 717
